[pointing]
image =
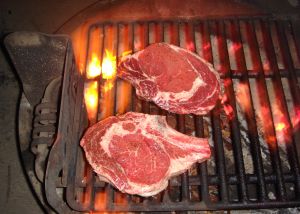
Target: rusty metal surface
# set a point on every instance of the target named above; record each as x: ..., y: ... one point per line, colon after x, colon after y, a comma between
x: 38, y: 59
x: 70, y: 128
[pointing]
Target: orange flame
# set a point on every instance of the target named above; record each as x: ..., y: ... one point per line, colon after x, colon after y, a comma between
x: 124, y: 97
x: 227, y: 107
x: 242, y: 96
x: 94, y: 68
x: 109, y: 66
x: 125, y: 53
x: 280, y: 126
x: 100, y: 200
x: 91, y: 99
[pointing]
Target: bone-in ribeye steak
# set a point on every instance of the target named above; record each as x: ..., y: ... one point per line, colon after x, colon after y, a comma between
x: 174, y: 78
x: 138, y: 153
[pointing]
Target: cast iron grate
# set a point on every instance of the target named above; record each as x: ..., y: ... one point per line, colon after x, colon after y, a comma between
x: 253, y: 130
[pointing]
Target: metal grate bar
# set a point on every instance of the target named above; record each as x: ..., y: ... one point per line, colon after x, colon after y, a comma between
x: 117, y: 62
x: 88, y: 195
x: 180, y: 120
x: 211, y: 180
x: 283, y: 42
x: 294, y: 37
x: 216, y: 129
x: 144, y: 35
x: 234, y: 126
x: 189, y: 43
x: 272, y: 143
x: 133, y: 97
x: 281, y: 97
x: 291, y: 147
x: 199, y: 132
x: 250, y: 114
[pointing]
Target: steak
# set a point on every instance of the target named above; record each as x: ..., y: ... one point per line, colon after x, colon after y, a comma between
x: 138, y: 153
x: 175, y: 79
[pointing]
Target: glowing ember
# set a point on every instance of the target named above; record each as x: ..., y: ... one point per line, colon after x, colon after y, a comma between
x: 296, y: 117
x: 228, y: 111
x: 94, y: 68
x: 242, y: 96
x: 227, y: 107
x: 236, y: 46
x: 280, y: 126
x: 190, y: 46
x: 91, y: 99
x: 109, y: 66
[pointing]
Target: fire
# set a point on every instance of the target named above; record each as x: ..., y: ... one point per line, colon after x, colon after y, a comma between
x: 280, y: 126
x: 125, y: 53
x: 107, y: 86
x: 94, y: 68
x: 242, y: 96
x: 109, y: 66
x: 227, y: 107
x: 91, y: 99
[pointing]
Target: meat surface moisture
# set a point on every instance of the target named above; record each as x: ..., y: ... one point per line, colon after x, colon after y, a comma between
x: 174, y: 78
x: 138, y: 153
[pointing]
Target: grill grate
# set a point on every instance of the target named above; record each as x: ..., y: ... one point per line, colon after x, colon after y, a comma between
x: 253, y: 130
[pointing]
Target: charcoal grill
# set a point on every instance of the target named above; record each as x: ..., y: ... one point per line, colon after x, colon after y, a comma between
x: 258, y: 51
x: 254, y: 160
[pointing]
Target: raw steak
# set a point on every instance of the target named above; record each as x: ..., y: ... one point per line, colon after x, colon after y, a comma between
x: 174, y: 78
x: 138, y: 153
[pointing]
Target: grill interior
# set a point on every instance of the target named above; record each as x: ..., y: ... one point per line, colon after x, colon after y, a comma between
x: 252, y: 131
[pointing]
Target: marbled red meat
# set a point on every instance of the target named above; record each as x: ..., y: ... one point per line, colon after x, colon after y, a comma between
x: 175, y: 79
x: 138, y: 153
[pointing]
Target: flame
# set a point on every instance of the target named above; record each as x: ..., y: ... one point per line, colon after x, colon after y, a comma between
x: 242, y: 96
x: 108, y: 86
x: 107, y: 101
x: 227, y: 107
x: 94, y: 68
x: 91, y: 99
x: 280, y: 126
x: 124, y: 97
x: 100, y: 200
x: 125, y: 53
x: 109, y: 66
